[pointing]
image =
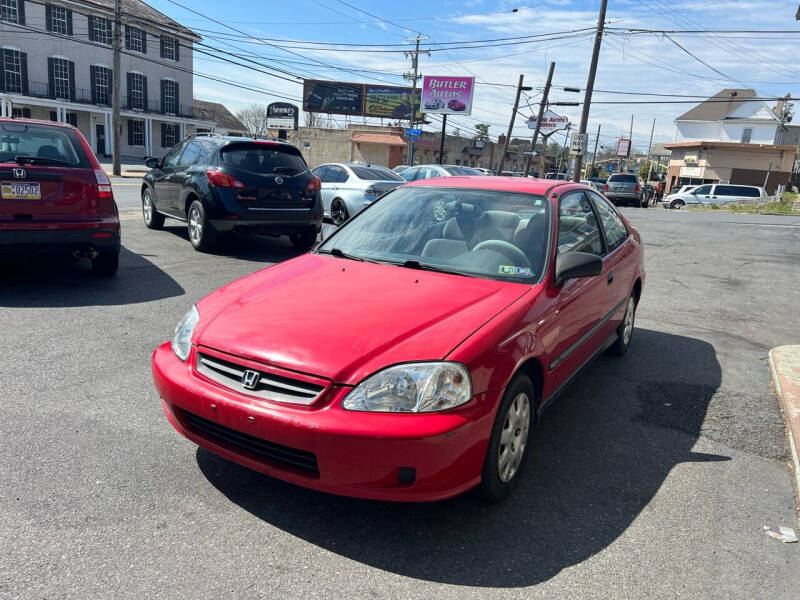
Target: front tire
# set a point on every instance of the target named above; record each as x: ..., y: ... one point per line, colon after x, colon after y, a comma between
x: 152, y: 219
x: 339, y: 212
x: 508, y: 444
x: 676, y: 205
x: 625, y: 329
x: 201, y: 233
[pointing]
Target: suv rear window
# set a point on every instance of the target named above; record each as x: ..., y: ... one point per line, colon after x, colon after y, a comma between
x: 375, y: 174
x: 625, y: 178
x: 263, y: 158
x: 58, y: 146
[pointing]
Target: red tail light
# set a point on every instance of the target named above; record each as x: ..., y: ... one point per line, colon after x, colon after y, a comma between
x: 637, y: 188
x: 103, y: 185
x: 220, y: 179
x: 605, y: 187
x: 314, y: 185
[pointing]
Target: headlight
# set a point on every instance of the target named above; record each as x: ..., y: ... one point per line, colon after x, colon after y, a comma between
x: 412, y: 388
x: 182, y: 340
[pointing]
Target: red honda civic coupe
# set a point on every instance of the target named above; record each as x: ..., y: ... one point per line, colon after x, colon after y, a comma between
x: 410, y: 355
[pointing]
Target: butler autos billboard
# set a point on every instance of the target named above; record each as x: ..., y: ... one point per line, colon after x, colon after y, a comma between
x: 342, y: 98
x: 447, y: 95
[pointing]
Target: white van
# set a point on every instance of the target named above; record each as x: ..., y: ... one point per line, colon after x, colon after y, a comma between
x: 716, y: 193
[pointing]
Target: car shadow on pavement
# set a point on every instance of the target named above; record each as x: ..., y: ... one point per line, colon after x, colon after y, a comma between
x: 250, y: 247
x: 64, y: 282
x: 597, y: 459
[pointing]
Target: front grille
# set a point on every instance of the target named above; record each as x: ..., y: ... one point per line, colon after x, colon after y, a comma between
x: 269, y: 386
x: 256, y: 447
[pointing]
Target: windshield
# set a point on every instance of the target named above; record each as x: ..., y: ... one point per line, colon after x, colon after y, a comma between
x: 375, y: 174
x: 462, y: 171
x: 263, y: 158
x: 57, y: 146
x: 479, y: 233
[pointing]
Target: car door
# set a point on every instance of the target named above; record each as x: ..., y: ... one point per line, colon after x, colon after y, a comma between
x: 578, y: 326
x: 180, y: 175
x: 703, y: 194
x: 161, y: 179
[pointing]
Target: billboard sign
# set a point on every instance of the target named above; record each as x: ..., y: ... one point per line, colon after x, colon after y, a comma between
x: 333, y: 97
x: 447, y: 95
x: 551, y: 122
x: 281, y: 115
x: 623, y: 147
x: 389, y: 101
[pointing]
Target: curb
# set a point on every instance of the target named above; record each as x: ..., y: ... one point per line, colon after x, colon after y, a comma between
x: 784, y: 363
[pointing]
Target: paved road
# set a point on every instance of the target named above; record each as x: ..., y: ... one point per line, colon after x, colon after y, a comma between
x: 652, y: 478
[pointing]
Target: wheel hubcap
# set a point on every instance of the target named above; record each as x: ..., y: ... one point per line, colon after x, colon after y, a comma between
x: 195, y: 226
x: 337, y: 213
x: 514, y: 437
x: 147, y: 207
x: 627, y: 330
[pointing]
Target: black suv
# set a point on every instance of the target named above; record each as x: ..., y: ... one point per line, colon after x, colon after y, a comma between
x: 221, y: 184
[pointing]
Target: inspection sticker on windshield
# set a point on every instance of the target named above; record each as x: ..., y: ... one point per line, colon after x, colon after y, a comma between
x: 518, y: 271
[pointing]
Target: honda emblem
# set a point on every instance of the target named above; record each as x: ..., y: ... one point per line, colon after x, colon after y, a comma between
x: 19, y: 173
x: 250, y: 379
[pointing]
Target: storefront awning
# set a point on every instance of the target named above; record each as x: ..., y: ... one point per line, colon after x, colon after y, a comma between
x: 387, y: 139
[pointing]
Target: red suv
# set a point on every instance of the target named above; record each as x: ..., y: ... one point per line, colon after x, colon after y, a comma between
x: 54, y: 196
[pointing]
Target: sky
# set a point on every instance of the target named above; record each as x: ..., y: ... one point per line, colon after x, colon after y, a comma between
x: 690, y: 66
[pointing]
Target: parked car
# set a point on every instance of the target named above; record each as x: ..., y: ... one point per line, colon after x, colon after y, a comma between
x: 348, y: 188
x: 684, y: 189
x: 456, y: 104
x: 559, y: 176
x: 623, y: 188
x: 409, y: 356
x: 54, y: 195
x: 720, y: 193
x: 483, y: 171
x: 600, y: 180
x: 219, y: 184
x: 434, y: 104
x: 593, y: 184
x: 400, y: 168
x: 429, y: 171
x: 512, y: 173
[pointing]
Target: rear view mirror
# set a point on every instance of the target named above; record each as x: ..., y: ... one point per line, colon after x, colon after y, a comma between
x: 572, y: 265
x: 152, y: 163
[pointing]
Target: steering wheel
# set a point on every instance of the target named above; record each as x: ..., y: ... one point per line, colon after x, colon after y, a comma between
x: 510, y: 251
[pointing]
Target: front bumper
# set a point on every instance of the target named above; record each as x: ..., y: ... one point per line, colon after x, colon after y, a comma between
x: 364, y: 455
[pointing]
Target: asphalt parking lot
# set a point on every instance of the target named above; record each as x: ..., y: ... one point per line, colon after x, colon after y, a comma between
x: 652, y: 478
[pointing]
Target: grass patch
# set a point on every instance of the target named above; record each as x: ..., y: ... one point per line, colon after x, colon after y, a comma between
x: 783, y: 207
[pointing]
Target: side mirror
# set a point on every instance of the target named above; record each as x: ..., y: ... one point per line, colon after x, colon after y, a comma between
x: 573, y: 265
x: 152, y: 162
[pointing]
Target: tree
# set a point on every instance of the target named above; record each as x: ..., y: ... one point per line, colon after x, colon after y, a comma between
x: 311, y: 119
x: 254, y: 118
x: 644, y: 170
x: 482, y: 132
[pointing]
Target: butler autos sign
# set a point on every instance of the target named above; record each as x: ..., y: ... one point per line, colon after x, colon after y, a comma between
x: 551, y: 122
x: 447, y: 95
x: 281, y: 115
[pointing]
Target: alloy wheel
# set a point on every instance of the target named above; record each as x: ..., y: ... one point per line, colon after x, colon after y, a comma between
x: 514, y: 437
x: 195, y: 226
x: 338, y: 212
x: 627, y: 329
x: 147, y: 207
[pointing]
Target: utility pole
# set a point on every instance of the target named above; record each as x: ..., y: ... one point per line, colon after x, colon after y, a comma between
x: 115, y: 76
x: 520, y: 89
x: 414, y: 54
x: 630, y: 146
x: 542, y: 106
x: 649, y: 147
x: 587, y: 98
x: 594, y: 154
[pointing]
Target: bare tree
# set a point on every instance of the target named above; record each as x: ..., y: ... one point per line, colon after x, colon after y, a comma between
x: 254, y: 118
x: 312, y: 119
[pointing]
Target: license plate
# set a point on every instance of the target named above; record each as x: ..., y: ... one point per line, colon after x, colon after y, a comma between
x: 11, y: 190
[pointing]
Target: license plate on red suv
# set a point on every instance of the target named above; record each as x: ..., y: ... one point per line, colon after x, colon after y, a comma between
x: 12, y: 190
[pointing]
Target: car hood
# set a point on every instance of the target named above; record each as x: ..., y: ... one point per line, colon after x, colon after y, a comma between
x: 343, y: 319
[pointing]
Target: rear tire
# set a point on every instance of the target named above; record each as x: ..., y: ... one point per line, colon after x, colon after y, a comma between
x: 508, y: 445
x: 202, y: 234
x: 106, y: 263
x: 304, y: 240
x: 625, y: 329
x: 152, y: 219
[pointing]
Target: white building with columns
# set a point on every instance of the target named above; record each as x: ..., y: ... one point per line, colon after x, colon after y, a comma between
x: 56, y: 64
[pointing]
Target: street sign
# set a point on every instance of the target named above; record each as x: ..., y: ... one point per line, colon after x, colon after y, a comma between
x: 529, y: 153
x: 413, y: 132
x: 578, y: 145
x: 551, y: 122
x: 623, y: 147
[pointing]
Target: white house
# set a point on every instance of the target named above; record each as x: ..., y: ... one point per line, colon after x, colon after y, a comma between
x: 56, y: 63
x: 732, y: 115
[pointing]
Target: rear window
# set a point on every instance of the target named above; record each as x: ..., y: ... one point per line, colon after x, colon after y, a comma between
x: 462, y: 171
x: 51, y: 145
x: 263, y: 158
x: 623, y: 178
x: 375, y: 174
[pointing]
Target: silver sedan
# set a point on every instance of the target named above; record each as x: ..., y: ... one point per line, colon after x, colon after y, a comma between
x: 348, y: 188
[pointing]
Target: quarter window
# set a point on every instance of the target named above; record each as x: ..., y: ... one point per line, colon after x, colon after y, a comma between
x: 13, y: 71
x: 613, y: 227
x: 577, y: 226
x: 9, y: 11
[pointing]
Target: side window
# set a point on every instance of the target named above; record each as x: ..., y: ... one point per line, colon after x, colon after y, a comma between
x: 422, y: 173
x: 342, y: 176
x: 613, y: 226
x: 751, y: 192
x: 408, y: 174
x: 703, y: 190
x: 190, y: 154
x: 577, y: 226
x: 171, y: 158
x: 727, y: 190
x: 332, y: 175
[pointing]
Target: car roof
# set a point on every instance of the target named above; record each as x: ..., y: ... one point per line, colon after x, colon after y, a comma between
x: 35, y: 122
x: 552, y: 188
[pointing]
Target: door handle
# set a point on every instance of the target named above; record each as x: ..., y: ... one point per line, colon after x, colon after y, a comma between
x: 714, y: 197
x: 610, y: 278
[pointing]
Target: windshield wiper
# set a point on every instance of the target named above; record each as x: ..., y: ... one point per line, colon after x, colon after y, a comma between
x: 338, y: 253
x: 415, y: 264
x: 21, y: 160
